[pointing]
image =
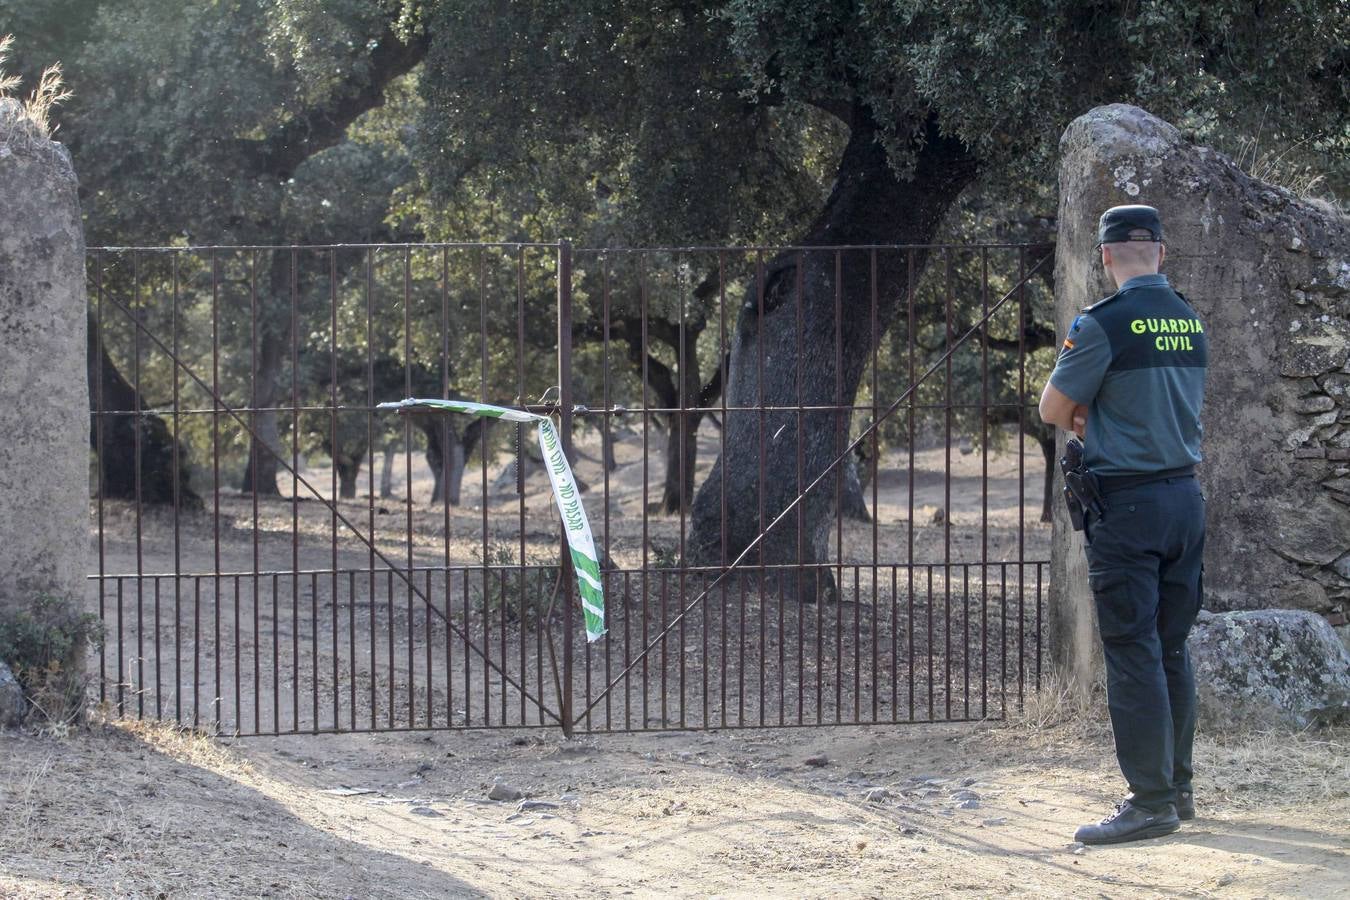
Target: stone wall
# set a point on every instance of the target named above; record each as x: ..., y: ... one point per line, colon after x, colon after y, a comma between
x: 1270, y: 275
x: 44, y: 396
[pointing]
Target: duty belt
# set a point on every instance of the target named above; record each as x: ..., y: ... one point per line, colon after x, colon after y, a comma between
x: 1109, y: 483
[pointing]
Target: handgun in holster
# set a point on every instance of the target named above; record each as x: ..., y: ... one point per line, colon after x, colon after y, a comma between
x: 1082, y: 490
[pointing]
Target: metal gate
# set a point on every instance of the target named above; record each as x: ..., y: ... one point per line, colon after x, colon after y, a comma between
x: 257, y: 576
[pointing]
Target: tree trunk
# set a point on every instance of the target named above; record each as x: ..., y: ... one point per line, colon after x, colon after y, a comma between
x: 868, y: 205
x: 682, y: 434
x: 274, y: 326
x: 387, y: 472
x: 349, y: 469
x: 117, y: 461
x: 855, y: 504
x: 1046, y: 438
x: 607, y: 446
x: 448, y: 474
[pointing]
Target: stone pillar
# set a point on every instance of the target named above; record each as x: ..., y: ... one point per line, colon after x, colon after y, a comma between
x: 44, y: 392
x: 1270, y: 276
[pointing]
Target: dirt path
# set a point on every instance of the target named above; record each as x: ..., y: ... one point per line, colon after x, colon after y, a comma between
x: 971, y: 809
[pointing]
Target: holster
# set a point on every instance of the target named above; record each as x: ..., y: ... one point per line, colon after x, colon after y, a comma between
x: 1082, y: 489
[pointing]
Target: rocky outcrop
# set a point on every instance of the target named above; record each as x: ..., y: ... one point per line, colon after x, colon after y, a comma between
x: 44, y: 396
x: 1270, y: 275
x: 1270, y: 668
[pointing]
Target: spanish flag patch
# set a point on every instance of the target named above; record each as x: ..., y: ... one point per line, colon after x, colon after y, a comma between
x: 1068, y: 344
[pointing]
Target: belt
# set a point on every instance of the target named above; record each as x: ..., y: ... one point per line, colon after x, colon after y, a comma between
x: 1109, y: 483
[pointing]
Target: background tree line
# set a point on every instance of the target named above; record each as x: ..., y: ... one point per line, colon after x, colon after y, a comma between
x: 282, y: 122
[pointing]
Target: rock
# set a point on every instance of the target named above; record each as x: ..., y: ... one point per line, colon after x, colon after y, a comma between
x: 13, y: 707
x: 1317, y: 403
x: 44, y: 460
x: 1303, y: 593
x: 1276, y: 365
x: 426, y: 811
x: 820, y: 759
x: 877, y: 795
x: 965, y: 795
x: 968, y: 804
x: 503, y: 792
x: 529, y: 805
x: 994, y: 823
x: 1320, y: 348
x: 1269, y: 668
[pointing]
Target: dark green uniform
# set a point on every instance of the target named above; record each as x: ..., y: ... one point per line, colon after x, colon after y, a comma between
x: 1137, y: 360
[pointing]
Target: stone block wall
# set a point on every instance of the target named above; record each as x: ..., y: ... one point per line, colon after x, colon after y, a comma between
x: 1270, y: 275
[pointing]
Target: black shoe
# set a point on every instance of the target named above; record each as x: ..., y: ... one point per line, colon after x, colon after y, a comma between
x: 1185, y: 805
x: 1129, y: 823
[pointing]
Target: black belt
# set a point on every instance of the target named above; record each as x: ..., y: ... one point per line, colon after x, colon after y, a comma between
x: 1111, y: 483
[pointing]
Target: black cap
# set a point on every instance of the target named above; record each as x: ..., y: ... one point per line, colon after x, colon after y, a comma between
x: 1118, y: 221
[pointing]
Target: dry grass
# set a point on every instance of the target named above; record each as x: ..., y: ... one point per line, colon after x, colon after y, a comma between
x: 50, y: 91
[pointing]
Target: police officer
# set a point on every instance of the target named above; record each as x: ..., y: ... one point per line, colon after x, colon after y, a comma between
x: 1130, y: 380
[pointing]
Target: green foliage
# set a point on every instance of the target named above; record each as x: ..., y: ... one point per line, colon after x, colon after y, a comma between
x: 42, y: 646
x: 506, y: 587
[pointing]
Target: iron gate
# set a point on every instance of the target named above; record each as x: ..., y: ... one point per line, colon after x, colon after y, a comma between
x: 249, y: 585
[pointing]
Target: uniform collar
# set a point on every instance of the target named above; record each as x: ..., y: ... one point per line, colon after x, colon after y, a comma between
x: 1154, y: 280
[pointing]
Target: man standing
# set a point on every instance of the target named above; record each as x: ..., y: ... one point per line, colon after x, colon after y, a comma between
x: 1130, y: 380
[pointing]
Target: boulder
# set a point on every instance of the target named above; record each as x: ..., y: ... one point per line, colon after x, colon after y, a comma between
x: 12, y: 704
x: 1269, y: 668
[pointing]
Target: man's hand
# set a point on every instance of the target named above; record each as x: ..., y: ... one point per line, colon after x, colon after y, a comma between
x: 1080, y: 414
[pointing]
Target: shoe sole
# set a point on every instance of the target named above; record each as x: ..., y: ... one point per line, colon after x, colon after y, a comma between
x: 1186, y: 816
x: 1142, y: 834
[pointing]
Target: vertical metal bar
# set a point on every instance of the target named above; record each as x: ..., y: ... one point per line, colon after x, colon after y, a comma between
x: 525, y: 615
x: 196, y: 649
x: 334, y: 496
x: 1003, y: 638
x: 236, y: 637
x: 722, y: 448
x: 370, y: 495
x: 314, y: 648
x: 984, y: 477
x: 215, y: 465
x: 913, y: 395
x: 468, y: 656
x: 799, y: 571
x: 351, y: 645
x: 929, y: 607
x: 857, y: 640
x: 606, y: 441
x: 427, y: 641
x: 947, y: 488
x: 177, y: 507
x: 138, y: 312
x: 295, y: 493
x: 1021, y: 463
x: 407, y: 481
x: 760, y: 484
x: 646, y: 427
x: 682, y: 298
x: 99, y: 350
x: 483, y: 488
x: 446, y: 437
x: 253, y: 467
x: 875, y: 467
x: 895, y: 669
x: 276, y: 662
x: 841, y: 425
x: 565, y: 414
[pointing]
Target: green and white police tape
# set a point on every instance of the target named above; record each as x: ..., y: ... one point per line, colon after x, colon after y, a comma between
x: 565, y: 492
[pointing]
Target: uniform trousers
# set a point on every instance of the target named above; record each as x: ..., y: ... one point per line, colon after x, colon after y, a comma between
x: 1145, y: 565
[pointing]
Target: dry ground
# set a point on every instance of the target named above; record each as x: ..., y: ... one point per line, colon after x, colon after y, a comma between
x: 149, y: 812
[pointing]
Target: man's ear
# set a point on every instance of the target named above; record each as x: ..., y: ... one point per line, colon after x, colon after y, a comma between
x: 1162, y: 254
x: 1106, y: 256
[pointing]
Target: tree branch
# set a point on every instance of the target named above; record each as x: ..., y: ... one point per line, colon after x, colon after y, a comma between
x: 325, y: 125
